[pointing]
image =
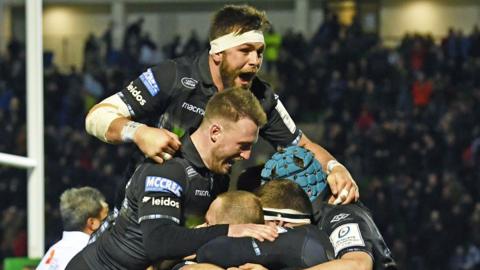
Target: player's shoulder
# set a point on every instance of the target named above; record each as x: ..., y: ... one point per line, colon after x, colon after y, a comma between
x: 343, y: 214
x: 264, y: 93
x: 183, y: 72
x: 261, y: 88
x: 172, y: 170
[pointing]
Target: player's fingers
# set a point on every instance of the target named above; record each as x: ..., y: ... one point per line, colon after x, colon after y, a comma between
x: 174, y: 137
x: 270, y: 233
x: 331, y: 179
x: 157, y: 159
x: 344, y: 182
x: 351, y: 195
x: 165, y: 156
x: 341, y: 197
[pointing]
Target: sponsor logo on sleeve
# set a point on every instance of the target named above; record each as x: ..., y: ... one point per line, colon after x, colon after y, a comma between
x: 162, y: 201
x: 189, y: 82
x: 149, y: 81
x: 136, y: 94
x: 346, y: 236
x: 339, y: 217
x: 161, y: 184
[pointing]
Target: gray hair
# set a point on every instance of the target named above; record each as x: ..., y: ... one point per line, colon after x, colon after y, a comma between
x: 79, y: 204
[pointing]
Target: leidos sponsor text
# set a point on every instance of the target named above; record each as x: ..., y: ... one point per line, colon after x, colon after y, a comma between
x: 162, y: 201
x: 136, y: 94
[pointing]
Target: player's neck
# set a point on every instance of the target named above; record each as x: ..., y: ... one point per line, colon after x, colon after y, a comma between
x: 215, y: 73
x: 202, y: 145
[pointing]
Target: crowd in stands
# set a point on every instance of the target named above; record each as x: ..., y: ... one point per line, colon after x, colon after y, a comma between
x: 404, y: 120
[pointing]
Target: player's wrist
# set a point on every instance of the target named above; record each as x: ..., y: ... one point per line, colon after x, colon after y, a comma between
x: 332, y: 164
x: 129, y: 130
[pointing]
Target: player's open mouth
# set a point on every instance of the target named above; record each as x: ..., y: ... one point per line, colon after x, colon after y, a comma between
x: 246, y: 76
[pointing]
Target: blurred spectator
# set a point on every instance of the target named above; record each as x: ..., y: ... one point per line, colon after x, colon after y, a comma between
x: 421, y: 91
x: 82, y: 210
x: 273, y: 41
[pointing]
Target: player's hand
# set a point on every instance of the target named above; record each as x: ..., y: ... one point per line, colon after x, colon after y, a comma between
x: 190, y: 257
x: 257, y: 231
x: 249, y: 266
x: 201, y: 266
x: 342, y: 185
x: 156, y: 143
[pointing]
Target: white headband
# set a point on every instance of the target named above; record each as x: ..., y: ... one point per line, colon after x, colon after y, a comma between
x: 231, y: 40
x: 287, y: 215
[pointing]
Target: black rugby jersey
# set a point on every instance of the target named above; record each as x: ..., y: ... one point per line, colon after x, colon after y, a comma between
x: 159, y: 201
x: 173, y: 95
x: 350, y: 228
x: 300, y: 247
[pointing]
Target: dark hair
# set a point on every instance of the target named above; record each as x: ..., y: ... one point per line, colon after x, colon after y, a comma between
x: 238, y: 19
x: 284, y: 194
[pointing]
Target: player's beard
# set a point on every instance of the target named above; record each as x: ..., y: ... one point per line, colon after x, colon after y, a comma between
x: 228, y: 75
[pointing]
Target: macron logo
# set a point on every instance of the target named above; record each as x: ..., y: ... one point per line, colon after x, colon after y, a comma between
x: 136, y: 94
x: 193, y: 108
x: 160, y: 184
x: 202, y: 193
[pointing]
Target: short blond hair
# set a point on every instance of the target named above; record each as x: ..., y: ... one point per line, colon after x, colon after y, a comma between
x: 239, y: 207
x: 235, y: 103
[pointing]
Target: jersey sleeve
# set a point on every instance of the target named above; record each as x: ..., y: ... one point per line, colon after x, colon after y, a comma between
x: 280, y: 129
x: 294, y: 248
x: 162, y: 188
x: 349, y: 231
x: 151, y: 91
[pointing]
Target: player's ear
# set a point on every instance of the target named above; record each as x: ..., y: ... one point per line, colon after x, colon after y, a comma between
x: 217, y: 57
x: 215, y: 132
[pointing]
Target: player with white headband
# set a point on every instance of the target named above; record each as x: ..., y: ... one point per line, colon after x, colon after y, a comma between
x: 169, y: 99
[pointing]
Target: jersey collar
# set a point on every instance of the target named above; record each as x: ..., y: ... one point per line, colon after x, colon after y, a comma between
x: 190, y: 153
x: 204, y: 69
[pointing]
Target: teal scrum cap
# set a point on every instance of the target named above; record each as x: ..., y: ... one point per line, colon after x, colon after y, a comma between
x: 299, y: 165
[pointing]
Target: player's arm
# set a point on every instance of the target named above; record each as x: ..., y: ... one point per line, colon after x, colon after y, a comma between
x: 228, y: 252
x: 349, y: 222
x: 113, y: 119
x: 356, y: 260
x: 341, y: 183
x: 160, y: 206
x: 201, y: 266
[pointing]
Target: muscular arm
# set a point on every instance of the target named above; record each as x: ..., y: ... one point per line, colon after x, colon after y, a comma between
x: 339, y: 178
x: 141, y: 98
x: 107, y: 119
x: 295, y: 248
x: 350, y: 261
x: 165, y: 240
